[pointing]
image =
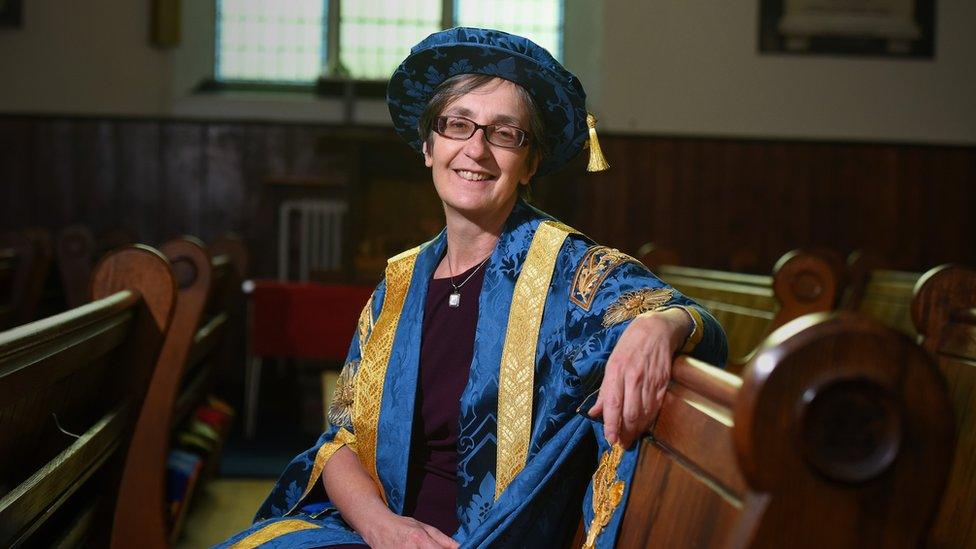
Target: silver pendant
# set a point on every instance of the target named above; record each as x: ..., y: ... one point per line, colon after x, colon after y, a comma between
x: 455, y: 299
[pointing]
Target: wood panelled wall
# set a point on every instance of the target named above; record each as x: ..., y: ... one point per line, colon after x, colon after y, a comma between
x: 705, y: 197
x: 708, y: 198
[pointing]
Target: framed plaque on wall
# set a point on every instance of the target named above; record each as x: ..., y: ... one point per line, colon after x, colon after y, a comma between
x: 903, y: 28
x: 11, y: 13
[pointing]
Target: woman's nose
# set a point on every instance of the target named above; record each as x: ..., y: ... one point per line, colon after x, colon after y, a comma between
x: 477, y: 145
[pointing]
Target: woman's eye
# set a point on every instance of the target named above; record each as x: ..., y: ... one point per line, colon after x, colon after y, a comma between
x: 505, y: 132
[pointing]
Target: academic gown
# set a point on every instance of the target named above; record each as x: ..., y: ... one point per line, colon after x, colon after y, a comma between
x: 552, y: 306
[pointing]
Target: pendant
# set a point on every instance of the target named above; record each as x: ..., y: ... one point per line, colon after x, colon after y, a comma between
x: 455, y: 299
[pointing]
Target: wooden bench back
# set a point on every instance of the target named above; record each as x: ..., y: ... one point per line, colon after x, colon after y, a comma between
x: 839, y: 434
x: 182, y: 380
x: 34, y: 251
x: 75, y: 256
x: 8, y: 266
x: 751, y: 306
x: 744, y: 304
x: 944, y: 311
x: 888, y: 298
x: 70, y: 389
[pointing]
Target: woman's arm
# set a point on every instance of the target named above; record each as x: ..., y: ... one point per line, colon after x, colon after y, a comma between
x: 637, y: 373
x: 352, y: 491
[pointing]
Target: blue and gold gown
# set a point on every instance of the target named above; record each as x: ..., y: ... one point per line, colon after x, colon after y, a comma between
x: 551, y: 309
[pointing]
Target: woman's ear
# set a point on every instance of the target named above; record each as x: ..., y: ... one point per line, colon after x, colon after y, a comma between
x: 534, y: 167
x: 428, y: 160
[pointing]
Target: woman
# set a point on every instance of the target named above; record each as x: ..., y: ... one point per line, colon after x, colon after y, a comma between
x: 494, y: 363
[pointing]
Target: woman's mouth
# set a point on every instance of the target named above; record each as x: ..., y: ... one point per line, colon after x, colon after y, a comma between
x: 473, y: 176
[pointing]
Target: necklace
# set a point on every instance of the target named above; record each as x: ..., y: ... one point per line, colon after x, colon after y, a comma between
x: 454, y: 300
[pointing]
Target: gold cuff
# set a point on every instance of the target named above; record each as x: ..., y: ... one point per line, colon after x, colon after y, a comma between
x: 697, y: 327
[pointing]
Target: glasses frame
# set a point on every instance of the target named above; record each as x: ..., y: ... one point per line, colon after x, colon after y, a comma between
x: 488, y: 130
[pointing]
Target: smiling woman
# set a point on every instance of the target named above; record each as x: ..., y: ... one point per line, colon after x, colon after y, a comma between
x: 471, y: 371
x: 477, y: 175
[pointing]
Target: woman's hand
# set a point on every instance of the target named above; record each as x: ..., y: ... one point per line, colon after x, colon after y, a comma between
x: 359, y: 503
x: 395, y: 531
x: 638, y: 372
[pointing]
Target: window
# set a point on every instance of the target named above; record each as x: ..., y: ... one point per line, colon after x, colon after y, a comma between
x: 289, y: 41
x: 270, y: 40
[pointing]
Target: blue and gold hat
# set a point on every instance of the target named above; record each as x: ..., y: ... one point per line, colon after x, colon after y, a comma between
x: 464, y: 50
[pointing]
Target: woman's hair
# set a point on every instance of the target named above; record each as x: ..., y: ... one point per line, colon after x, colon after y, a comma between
x: 454, y: 87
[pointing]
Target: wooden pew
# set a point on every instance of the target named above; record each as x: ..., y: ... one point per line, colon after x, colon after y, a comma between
x: 70, y: 389
x: 653, y: 256
x: 184, y: 377
x: 839, y: 434
x: 8, y: 266
x: 880, y: 293
x: 888, y: 298
x: 34, y: 251
x: 751, y: 306
x: 75, y: 256
x: 944, y: 311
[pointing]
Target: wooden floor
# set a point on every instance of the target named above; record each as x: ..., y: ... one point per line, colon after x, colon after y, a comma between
x: 224, y: 508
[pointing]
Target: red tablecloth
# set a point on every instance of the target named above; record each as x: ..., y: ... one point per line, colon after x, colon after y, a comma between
x: 303, y: 320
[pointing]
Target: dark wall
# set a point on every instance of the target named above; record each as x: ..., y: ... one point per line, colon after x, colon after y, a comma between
x: 709, y: 198
x: 706, y: 198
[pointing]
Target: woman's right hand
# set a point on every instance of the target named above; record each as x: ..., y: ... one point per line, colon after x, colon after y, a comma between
x: 396, y: 532
x: 359, y: 503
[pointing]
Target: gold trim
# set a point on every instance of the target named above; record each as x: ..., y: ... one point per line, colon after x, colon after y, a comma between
x: 697, y: 329
x: 325, y: 453
x: 375, y: 361
x: 365, y: 325
x: 517, y: 375
x: 631, y: 304
x: 593, y: 269
x: 607, y: 493
x: 273, y: 531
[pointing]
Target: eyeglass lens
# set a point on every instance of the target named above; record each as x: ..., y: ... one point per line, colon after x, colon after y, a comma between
x: 460, y: 128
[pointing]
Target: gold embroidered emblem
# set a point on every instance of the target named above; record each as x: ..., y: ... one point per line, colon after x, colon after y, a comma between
x: 365, y: 326
x: 340, y: 410
x: 607, y: 493
x: 631, y: 304
x: 517, y: 371
x: 598, y: 262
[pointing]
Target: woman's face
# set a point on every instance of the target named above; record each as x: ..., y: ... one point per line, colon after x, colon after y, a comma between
x: 474, y: 177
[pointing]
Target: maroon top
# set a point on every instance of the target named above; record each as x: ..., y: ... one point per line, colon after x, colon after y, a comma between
x: 446, y: 350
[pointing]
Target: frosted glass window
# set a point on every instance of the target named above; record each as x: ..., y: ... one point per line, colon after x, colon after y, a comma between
x: 270, y: 40
x: 284, y: 41
x: 377, y: 34
x: 538, y: 20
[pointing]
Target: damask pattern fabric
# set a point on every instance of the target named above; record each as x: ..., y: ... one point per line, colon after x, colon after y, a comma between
x: 542, y: 504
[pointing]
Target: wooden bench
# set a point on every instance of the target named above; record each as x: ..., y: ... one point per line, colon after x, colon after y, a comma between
x: 76, y: 254
x: 880, y: 293
x: 751, y: 306
x: 8, y: 266
x: 34, y: 251
x: 944, y: 311
x: 183, y: 378
x: 70, y: 390
x: 838, y: 434
x: 888, y: 298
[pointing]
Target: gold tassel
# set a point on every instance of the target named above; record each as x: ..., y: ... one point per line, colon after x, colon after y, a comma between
x: 597, y: 161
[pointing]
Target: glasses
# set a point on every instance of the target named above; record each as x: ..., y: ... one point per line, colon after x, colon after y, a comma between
x: 460, y: 128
